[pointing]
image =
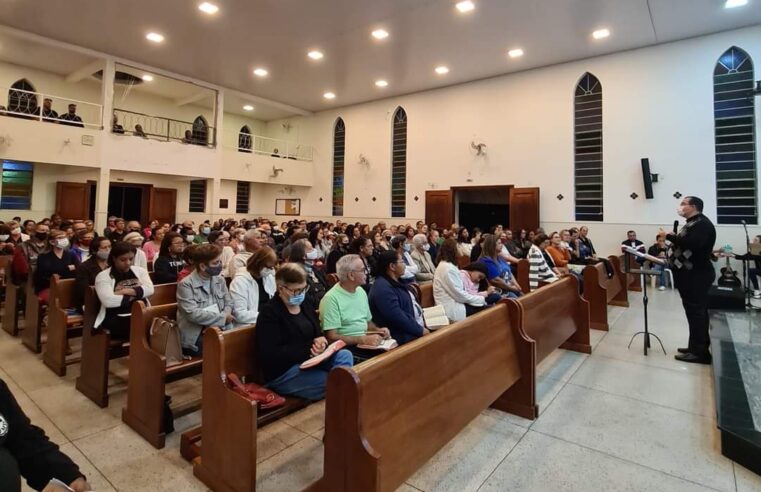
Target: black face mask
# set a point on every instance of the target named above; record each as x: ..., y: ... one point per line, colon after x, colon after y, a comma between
x: 41, y: 236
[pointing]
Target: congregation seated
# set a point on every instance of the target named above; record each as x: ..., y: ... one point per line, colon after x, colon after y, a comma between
x: 345, y: 310
x: 392, y: 304
x: 222, y: 239
x: 152, y: 247
x: 498, y: 270
x: 363, y: 247
x: 559, y: 249
x: 253, y: 240
x: 512, y: 245
x: 169, y: 262
x: 320, y: 245
x: 317, y: 284
x: 340, y: 248
x: 660, y: 250
x: 464, y: 246
x: 539, y: 269
x: 25, y: 256
x: 584, y: 245
x: 287, y: 334
x: 118, y: 287
x: 59, y: 260
x: 402, y: 247
x: 422, y: 258
x: 136, y: 240
x: 7, y: 245
x: 473, y: 276
x: 87, y: 271
x: 253, y: 286
x: 448, y: 288
x: 203, y: 299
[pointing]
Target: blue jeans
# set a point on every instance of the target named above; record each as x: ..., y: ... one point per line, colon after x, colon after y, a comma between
x: 309, y: 384
x: 753, y: 274
x: 662, y: 276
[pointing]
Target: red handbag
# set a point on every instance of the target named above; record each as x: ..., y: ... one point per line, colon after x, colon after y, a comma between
x: 254, y: 392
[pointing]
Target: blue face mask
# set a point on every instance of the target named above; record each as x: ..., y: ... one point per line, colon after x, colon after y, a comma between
x: 297, y: 300
x: 214, y: 270
x: 406, y: 247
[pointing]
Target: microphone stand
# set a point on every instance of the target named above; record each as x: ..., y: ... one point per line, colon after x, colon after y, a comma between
x: 647, y: 333
x: 746, y: 271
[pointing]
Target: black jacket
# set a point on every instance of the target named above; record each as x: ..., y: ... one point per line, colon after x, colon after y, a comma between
x: 693, y: 245
x: 166, y: 268
x: 26, y: 450
x: 49, y: 264
x: 85, y: 277
x: 281, y: 343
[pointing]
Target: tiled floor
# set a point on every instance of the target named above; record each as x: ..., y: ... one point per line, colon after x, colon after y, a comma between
x: 615, y: 420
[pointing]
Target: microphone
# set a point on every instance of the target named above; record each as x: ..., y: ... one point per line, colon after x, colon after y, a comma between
x: 676, y: 226
x: 742, y: 221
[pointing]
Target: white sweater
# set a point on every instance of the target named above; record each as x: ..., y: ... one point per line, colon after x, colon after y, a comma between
x: 245, y: 296
x: 449, y: 291
x: 104, y: 288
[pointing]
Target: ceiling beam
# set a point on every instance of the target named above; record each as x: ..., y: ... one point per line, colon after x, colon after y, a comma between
x: 192, y: 98
x: 83, y: 72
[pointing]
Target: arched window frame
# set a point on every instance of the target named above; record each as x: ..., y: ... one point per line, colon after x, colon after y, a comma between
x: 399, y: 163
x: 244, y: 139
x: 22, y: 97
x: 339, y: 160
x: 588, y: 149
x: 200, y: 131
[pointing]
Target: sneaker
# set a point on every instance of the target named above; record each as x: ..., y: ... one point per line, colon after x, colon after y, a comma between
x: 662, y: 287
x: 757, y: 294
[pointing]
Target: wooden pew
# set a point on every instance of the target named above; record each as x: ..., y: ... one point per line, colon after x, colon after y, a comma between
x: 521, y: 276
x: 462, y: 261
x: 227, y: 459
x: 554, y: 316
x: 34, y: 313
x: 426, y: 296
x: 11, y: 307
x: 635, y: 281
x: 61, y: 325
x: 148, y: 376
x: 98, y: 348
x: 332, y: 279
x: 378, y: 433
x: 600, y: 291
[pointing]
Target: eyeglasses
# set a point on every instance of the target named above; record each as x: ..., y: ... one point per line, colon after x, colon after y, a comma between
x: 296, y: 292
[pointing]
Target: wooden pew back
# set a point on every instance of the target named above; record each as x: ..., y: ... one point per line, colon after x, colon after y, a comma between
x: 387, y: 417
x: 426, y: 296
x: 521, y: 275
x: 10, y: 308
x: 600, y: 291
x: 61, y: 326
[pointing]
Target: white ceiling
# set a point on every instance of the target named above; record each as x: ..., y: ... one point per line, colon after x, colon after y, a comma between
x: 224, y: 48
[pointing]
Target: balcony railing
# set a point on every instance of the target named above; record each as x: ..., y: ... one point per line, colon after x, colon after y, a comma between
x: 164, y: 129
x: 29, y: 105
x: 274, y: 147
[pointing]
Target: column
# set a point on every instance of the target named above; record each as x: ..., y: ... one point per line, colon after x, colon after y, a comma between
x: 216, y: 194
x: 101, y: 198
x: 104, y: 176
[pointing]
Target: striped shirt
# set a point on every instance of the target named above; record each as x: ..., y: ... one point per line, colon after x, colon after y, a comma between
x: 538, y: 268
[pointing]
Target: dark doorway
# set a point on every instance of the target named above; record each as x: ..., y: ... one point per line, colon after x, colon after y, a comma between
x: 126, y: 201
x: 482, y: 215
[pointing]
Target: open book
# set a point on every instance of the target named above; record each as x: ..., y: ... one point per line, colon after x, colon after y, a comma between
x: 327, y: 354
x: 435, y: 317
x: 385, y: 345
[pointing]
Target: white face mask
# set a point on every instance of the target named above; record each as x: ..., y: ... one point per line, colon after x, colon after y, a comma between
x: 62, y: 243
x: 426, y: 247
x: 189, y: 238
x: 16, y: 231
x: 268, y: 271
x: 313, y: 255
x: 4, y: 237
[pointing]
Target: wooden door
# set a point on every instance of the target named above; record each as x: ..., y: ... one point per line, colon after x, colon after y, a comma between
x: 163, y: 205
x: 524, y: 208
x: 439, y: 208
x: 72, y: 200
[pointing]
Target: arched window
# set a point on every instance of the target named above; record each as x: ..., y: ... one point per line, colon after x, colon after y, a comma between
x: 200, y: 131
x: 244, y: 139
x: 734, y: 120
x: 339, y: 152
x: 399, y: 165
x: 21, y: 98
x: 588, y: 149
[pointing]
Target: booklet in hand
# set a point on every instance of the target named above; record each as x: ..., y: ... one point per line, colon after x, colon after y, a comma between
x: 385, y: 345
x: 435, y: 317
x: 327, y: 354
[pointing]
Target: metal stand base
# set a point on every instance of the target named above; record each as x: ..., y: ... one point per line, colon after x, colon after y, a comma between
x: 647, y: 340
x: 644, y: 273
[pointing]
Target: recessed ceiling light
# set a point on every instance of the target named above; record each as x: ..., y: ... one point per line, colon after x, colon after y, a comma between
x: 381, y: 83
x: 208, y: 8
x: 147, y: 78
x: 260, y: 72
x: 442, y: 70
x: 515, y: 53
x: 248, y: 107
x: 730, y: 4
x: 329, y: 95
x: 465, y: 6
x: 601, y: 34
x: 380, y: 34
x: 315, y: 55
x: 154, y: 37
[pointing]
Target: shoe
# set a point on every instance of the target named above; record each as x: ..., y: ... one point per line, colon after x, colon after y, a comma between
x: 662, y: 287
x: 693, y: 359
x: 757, y: 294
x: 683, y: 350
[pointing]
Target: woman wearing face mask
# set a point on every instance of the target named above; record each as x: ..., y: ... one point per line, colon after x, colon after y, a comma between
x: 59, y: 260
x: 287, y: 335
x: 203, y: 299
x: 136, y: 240
x: 340, y: 248
x: 169, y: 262
x: 316, y: 280
x: 253, y: 287
x: 118, y: 287
x: 86, y: 272
x: 402, y: 247
x: 203, y: 234
x: 151, y: 248
x: 422, y: 259
x: 82, y: 246
x: 222, y: 239
x: 7, y: 246
x: 237, y: 237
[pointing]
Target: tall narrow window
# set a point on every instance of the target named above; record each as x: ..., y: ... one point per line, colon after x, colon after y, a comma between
x: 244, y: 140
x: 242, y: 197
x: 16, y: 190
x: 734, y: 119
x: 588, y: 148
x: 197, y: 200
x: 21, y: 97
x: 200, y: 131
x: 339, y: 152
x: 399, y: 165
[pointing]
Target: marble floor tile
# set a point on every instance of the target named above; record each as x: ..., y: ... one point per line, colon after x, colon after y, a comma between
x: 74, y: 413
x: 560, y: 364
x: 614, y: 346
x: 682, y: 391
x: 569, y: 467
x: 28, y: 371
x: 595, y: 337
x: 747, y: 481
x: 292, y: 469
x: 276, y: 437
x: 130, y: 463
x: 466, y: 461
x: 94, y: 478
x: 546, y: 391
x: 407, y: 488
x: 675, y: 442
x: 38, y: 418
x: 308, y: 420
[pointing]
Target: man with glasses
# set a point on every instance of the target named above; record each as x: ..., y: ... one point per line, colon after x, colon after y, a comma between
x: 345, y: 311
